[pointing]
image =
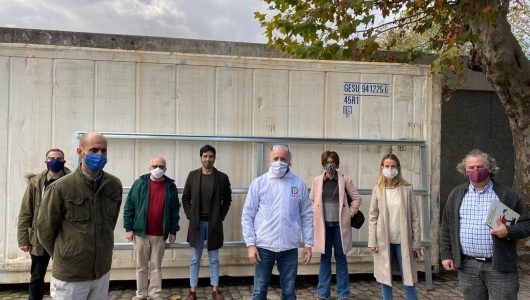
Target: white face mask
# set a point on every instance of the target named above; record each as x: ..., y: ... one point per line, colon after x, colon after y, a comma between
x: 157, y: 173
x: 390, y: 173
x: 278, y: 169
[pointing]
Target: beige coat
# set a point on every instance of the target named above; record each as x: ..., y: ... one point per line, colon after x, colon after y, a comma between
x: 345, y: 212
x: 378, y: 235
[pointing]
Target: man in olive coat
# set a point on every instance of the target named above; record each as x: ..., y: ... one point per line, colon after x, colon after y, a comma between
x: 206, y: 200
x: 76, y: 224
x: 27, y: 219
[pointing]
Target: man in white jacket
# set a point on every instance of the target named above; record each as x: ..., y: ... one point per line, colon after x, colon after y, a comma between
x: 276, y: 215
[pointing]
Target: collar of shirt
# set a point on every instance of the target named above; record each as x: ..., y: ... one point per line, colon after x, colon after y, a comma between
x: 48, y: 176
x: 332, y: 179
x: 486, y: 189
x: 89, y: 177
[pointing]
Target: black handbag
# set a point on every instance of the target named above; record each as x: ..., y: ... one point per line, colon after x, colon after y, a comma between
x: 357, y: 220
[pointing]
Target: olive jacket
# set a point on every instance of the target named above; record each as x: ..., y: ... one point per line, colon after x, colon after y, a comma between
x: 29, y: 211
x: 76, y: 225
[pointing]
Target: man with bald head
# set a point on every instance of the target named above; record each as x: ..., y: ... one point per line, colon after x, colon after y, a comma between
x: 76, y: 224
x: 150, y: 217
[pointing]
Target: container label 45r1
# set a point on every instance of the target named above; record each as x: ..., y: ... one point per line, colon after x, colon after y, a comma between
x: 354, y: 90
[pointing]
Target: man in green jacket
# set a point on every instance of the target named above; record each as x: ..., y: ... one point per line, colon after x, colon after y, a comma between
x: 76, y: 224
x: 27, y: 219
x: 150, y: 215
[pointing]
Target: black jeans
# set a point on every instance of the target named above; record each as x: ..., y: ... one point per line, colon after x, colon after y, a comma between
x: 39, y: 264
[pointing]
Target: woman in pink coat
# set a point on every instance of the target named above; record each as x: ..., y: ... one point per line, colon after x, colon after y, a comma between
x: 394, y: 228
x: 331, y: 222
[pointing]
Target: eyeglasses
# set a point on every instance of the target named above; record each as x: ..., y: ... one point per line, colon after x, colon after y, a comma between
x: 159, y: 166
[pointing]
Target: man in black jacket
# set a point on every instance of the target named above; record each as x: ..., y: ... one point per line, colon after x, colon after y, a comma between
x: 486, y: 258
x: 206, y: 200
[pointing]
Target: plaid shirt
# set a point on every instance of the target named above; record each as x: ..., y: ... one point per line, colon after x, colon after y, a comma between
x: 475, y: 236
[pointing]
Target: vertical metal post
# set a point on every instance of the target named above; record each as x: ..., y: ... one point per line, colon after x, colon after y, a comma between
x: 259, y: 159
x: 426, y: 224
x: 75, y: 159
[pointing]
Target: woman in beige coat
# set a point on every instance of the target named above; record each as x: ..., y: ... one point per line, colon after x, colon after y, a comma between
x: 331, y: 222
x: 394, y: 228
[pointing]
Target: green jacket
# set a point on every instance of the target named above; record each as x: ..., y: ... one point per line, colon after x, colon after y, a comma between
x: 137, y: 203
x: 76, y: 225
x: 29, y: 211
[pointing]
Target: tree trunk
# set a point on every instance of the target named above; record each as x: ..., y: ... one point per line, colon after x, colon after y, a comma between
x: 500, y: 57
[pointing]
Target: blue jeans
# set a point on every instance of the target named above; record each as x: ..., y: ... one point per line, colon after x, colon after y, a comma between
x: 410, y: 291
x: 195, y: 263
x: 478, y: 279
x: 333, y: 238
x: 287, y: 264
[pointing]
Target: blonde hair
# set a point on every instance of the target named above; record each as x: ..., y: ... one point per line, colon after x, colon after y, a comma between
x: 398, y: 180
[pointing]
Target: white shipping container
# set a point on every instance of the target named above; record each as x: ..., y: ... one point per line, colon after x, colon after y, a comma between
x: 48, y: 93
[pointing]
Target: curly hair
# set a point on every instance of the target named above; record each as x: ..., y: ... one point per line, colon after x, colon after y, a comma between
x: 490, y: 162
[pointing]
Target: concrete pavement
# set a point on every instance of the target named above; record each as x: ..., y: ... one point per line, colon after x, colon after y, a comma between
x: 362, y: 287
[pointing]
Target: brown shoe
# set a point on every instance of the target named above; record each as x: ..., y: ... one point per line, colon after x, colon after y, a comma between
x: 216, y: 295
x: 191, y: 296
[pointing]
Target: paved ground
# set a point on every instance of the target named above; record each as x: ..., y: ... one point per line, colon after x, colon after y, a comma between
x: 445, y: 286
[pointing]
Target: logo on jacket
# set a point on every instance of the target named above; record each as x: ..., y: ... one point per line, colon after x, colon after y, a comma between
x: 294, y: 190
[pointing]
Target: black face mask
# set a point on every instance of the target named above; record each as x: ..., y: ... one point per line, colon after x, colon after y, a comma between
x: 207, y: 164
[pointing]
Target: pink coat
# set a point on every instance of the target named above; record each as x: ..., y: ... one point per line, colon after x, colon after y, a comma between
x: 345, y: 212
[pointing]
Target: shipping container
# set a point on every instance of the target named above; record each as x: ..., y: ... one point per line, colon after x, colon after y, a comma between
x: 170, y: 104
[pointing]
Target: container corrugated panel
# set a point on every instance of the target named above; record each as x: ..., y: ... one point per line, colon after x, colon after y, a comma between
x: 47, y: 93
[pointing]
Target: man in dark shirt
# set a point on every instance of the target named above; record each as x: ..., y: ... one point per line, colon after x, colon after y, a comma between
x: 27, y: 219
x: 206, y: 200
x: 485, y: 258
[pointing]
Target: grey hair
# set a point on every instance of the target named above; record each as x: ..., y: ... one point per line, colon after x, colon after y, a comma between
x: 283, y: 147
x: 490, y: 162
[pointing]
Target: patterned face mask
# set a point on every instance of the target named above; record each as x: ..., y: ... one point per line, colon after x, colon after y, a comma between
x: 330, y: 167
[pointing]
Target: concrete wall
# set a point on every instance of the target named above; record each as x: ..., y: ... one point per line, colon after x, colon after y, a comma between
x: 133, y: 42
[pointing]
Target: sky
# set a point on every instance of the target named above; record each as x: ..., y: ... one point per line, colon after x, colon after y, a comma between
x: 224, y: 20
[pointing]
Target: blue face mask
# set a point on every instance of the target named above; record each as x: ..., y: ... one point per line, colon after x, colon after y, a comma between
x: 55, y: 165
x: 95, y: 162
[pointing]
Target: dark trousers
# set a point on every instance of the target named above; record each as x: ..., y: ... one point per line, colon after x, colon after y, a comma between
x: 39, y: 264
